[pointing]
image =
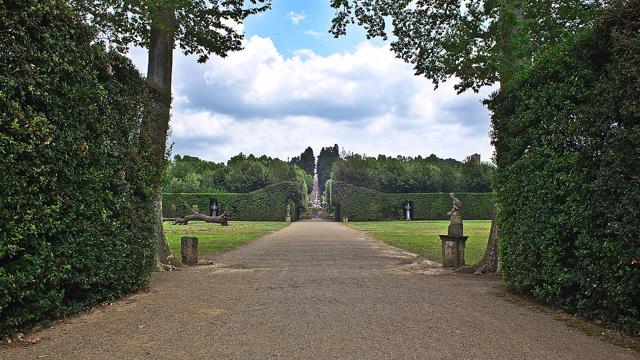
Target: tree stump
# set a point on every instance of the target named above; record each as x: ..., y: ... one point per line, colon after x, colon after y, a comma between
x: 189, y: 250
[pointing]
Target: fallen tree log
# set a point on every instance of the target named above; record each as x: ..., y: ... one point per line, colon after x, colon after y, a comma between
x: 221, y: 219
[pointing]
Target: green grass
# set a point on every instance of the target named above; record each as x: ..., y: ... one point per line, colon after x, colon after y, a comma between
x: 213, y: 238
x: 421, y: 237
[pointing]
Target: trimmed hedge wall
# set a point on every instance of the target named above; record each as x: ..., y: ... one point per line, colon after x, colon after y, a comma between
x: 268, y: 204
x: 567, y: 135
x: 76, y: 212
x: 362, y: 204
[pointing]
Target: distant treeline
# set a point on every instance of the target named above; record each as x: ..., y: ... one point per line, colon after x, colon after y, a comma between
x: 403, y: 174
x: 241, y: 174
x: 246, y: 173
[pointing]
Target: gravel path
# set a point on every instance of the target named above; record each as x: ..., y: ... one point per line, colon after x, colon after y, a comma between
x: 319, y: 290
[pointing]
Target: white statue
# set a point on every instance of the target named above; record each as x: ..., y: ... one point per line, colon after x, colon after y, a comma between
x: 407, y: 211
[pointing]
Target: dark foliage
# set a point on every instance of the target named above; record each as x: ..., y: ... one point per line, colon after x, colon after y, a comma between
x: 326, y: 158
x: 414, y: 175
x: 75, y: 214
x: 567, y: 135
x: 362, y: 204
x: 243, y: 173
x: 306, y: 161
x: 478, y: 43
x: 268, y: 204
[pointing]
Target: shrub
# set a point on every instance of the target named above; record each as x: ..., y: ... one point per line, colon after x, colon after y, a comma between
x: 567, y: 135
x: 362, y: 204
x: 76, y: 219
x: 268, y: 204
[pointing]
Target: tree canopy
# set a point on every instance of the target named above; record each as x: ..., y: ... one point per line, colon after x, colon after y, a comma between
x: 306, y: 161
x: 242, y: 173
x: 414, y: 174
x: 200, y: 27
x: 326, y: 158
x: 479, y: 42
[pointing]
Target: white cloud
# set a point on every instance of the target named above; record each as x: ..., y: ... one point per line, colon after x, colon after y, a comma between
x: 295, y: 17
x: 216, y: 137
x: 259, y: 101
x: 349, y: 85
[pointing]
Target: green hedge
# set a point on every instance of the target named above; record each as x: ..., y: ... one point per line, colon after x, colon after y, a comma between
x: 268, y: 204
x: 362, y: 204
x: 75, y: 216
x: 567, y: 135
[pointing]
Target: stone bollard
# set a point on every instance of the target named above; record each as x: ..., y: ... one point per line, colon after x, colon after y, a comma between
x: 189, y: 250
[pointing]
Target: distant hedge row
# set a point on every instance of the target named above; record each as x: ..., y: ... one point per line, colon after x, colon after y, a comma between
x: 76, y: 213
x: 567, y: 136
x: 362, y: 204
x: 268, y: 204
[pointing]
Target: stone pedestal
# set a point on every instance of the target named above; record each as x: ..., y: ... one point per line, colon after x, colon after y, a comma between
x: 189, y: 250
x: 453, y: 250
x: 287, y: 218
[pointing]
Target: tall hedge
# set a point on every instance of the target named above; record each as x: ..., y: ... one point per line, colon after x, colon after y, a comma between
x: 268, y: 204
x: 75, y: 218
x: 567, y: 135
x: 362, y: 204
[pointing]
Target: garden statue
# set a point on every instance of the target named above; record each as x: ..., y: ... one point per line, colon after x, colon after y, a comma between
x: 407, y: 209
x: 455, y: 209
x: 453, y: 243
x: 213, y: 207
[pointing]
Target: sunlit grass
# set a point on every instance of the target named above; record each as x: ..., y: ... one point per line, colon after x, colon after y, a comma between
x: 421, y: 237
x: 213, y: 238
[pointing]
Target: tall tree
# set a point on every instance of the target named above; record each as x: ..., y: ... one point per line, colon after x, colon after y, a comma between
x: 306, y: 161
x: 478, y: 42
x: 326, y: 158
x: 197, y: 27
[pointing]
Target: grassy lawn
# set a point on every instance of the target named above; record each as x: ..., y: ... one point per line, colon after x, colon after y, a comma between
x: 421, y: 237
x: 213, y: 238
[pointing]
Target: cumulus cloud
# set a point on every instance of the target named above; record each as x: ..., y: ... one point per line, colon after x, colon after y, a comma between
x: 262, y: 102
x: 260, y: 81
x: 295, y: 17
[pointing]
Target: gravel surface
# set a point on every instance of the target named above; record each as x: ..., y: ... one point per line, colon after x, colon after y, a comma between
x: 319, y: 290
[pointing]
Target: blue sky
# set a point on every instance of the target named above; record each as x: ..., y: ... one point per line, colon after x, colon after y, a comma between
x: 294, y: 86
x: 294, y: 25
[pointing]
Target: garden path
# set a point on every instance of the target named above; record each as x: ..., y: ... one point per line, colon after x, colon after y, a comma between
x: 319, y: 290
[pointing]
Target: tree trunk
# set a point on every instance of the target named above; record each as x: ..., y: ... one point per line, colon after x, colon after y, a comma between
x: 512, y: 16
x: 222, y: 219
x: 489, y: 262
x: 156, y: 124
